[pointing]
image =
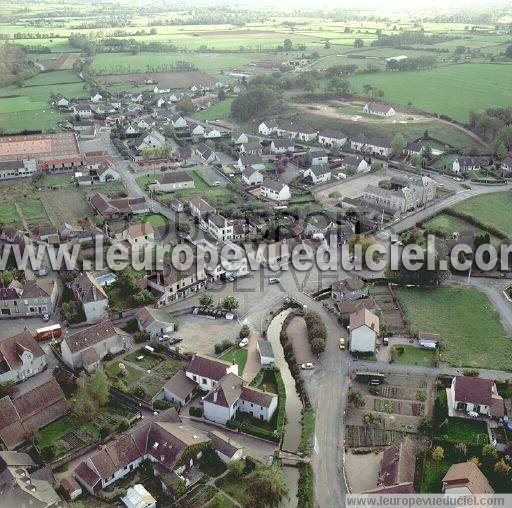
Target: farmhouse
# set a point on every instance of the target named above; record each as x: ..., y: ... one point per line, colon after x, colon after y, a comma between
x: 375, y: 146
x: 17, y: 169
x: 466, y: 478
x: 173, y: 180
x: 199, y: 207
x: 250, y: 161
x: 23, y: 484
x: 250, y: 148
x: 364, y: 329
x: 120, y: 207
x: 266, y: 352
x: 463, y: 164
x: 207, y: 371
x: 472, y: 394
x: 87, y: 347
x: 169, y: 284
x: 275, y: 190
x: 349, y: 289
x: 231, y: 395
x: 252, y: 176
x: 330, y: 138
x: 227, y: 449
x: 355, y: 161
x: 207, y: 155
x: 32, y: 407
x: 28, y: 299
x: 152, y: 139
x: 239, y: 137
x: 267, y: 128
x: 20, y: 357
x: 211, y: 133
x: 379, y: 109
x: 88, y: 291
x: 279, y: 146
x: 165, y: 440
x: 154, y: 321
x: 318, y: 174
x: 179, y: 389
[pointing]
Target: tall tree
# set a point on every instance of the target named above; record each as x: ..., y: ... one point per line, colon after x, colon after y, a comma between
x: 266, y: 487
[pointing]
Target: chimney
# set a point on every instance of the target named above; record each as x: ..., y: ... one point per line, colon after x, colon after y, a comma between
x: 215, y: 396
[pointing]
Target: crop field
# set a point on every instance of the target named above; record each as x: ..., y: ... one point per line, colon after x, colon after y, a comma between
x: 56, y: 200
x: 471, y: 332
x: 171, y: 80
x: 451, y: 90
x: 211, y: 63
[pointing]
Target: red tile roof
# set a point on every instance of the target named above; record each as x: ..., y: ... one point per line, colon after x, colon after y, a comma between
x: 474, y: 390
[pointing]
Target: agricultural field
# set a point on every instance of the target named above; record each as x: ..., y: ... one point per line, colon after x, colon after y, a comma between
x: 464, y: 317
x: 450, y: 90
x: 55, y: 200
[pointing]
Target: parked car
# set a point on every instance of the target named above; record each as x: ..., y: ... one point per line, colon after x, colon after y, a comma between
x: 307, y: 366
x: 473, y: 414
x: 163, y: 337
x: 216, y: 184
x: 243, y: 342
x: 385, y: 341
x: 46, y: 318
x: 230, y: 278
x: 175, y: 341
x: 273, y: 280
x: 342, y: 343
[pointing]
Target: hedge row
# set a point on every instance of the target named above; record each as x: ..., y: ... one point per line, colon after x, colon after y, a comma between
x: 317, y: 333
x: 305, y: 493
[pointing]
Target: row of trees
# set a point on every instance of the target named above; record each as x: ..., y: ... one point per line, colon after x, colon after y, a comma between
x: 317, y: 333
x: 495, y: 126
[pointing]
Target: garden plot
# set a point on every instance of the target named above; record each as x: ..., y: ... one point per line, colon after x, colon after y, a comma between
x: 392, y: 316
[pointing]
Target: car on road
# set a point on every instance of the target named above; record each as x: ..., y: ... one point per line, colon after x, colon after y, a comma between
x: 243, y: 342
x: 273, y: 280
x: 230, y: 278
x: 385, y: 341
x: 342, y: 343
x: 216, y: 184
x: 307, y: 366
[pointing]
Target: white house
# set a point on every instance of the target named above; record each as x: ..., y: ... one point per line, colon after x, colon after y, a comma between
x: 178, y: 122
x: 179, y: 389
x: 463, y: 164
x: 279, y: 146
x: 152, y: 139
x: 330, y: 138
x: 199, y: 207
x: 107, y: 173
x: 224, y: 446
x: 318, y: 174
x: 171, y: 181
x: 139, y: 235
x: 206, y: 153
x: 145, y: 123
x: 87, y: 347
x: 275, y: 190
x: 253, y: 161
x: 267, y: 127
x: 318, y: 156
x: 364, y: 329
x: 474, y: 394
x: 219, y: 227
x: 266, y: 352
x: 207, y: 371
x: 196, y: 129
x: 211, y: 133
x: 231, y: 395
x: 96, y: 97
x: 375, y: 146
x: 250, y: 148
x: 138, y: 497
x: 252, y: 176
x: 82, y: 110
x: 88, y: 291
x: 379, y: 109
x: 356, y: 161
x: 305, y: 133
x: 22, y: 357
x: 239, y: 138
x: 62, y: 102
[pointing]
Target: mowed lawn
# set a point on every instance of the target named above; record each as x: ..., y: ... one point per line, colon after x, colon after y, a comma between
x: 239, y: 356
x: 494, y: 209
x: 471, y: 331
x: 218, y: 111
x: 451, y: 90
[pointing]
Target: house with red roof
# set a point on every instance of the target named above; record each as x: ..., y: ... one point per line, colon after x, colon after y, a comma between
x: 474, y: 395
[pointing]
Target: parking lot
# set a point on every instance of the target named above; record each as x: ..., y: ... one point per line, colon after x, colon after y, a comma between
x: 200, y: 334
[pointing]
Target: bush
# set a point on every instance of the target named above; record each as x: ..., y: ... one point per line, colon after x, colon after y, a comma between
x: 104, y: 433
x: 317, y: 345
x: 196, y: 411
x: 123, y: 425
x: 220, y: 347
x: 245, y: 332
x: 162, y: 404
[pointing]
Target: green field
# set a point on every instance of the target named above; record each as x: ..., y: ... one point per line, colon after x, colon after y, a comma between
x: 219, y: 111
x: 414, y: 356
x: 494, y: 209
x: 451, y: 90
x: 470, y: 328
